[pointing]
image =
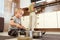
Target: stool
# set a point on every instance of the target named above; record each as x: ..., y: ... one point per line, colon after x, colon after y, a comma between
x: 24, y: 38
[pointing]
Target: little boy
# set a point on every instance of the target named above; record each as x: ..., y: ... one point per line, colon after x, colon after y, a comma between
x: 15, y: 23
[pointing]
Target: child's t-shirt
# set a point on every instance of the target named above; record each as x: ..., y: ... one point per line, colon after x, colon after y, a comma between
x: 16, y: 20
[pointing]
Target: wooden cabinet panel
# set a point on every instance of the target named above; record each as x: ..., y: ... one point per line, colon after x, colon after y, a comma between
x: 1, y: 24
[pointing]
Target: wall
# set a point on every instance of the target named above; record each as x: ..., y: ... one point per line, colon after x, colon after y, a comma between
x: 7, y: 13
x: 24, y: 3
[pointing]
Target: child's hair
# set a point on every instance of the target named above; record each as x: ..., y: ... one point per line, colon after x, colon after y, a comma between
x: 17, y: 10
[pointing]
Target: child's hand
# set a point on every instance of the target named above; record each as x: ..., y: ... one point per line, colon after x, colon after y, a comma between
x: 18, y: 26
x: 23, y: 27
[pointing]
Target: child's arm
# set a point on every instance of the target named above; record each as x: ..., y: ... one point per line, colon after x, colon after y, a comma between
x: 12, y: 23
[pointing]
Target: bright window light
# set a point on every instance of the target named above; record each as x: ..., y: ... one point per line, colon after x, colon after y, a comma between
x: 50, y: 1
x: 40, y: 1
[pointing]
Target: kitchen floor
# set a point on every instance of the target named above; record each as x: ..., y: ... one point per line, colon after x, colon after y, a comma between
x: 5, y: 36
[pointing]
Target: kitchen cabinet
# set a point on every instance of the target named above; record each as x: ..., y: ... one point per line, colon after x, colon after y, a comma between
x: 47, y: 20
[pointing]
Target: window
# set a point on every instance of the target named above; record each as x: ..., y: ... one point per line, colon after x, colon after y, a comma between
x: 1, y: 8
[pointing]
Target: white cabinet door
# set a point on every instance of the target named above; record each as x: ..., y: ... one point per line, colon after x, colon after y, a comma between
x: 25, y: 3
x: 25, y: 21
x: 50, y: 20
x: 58, y: 14
x: 40, y: 20
x: 47, y: 20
